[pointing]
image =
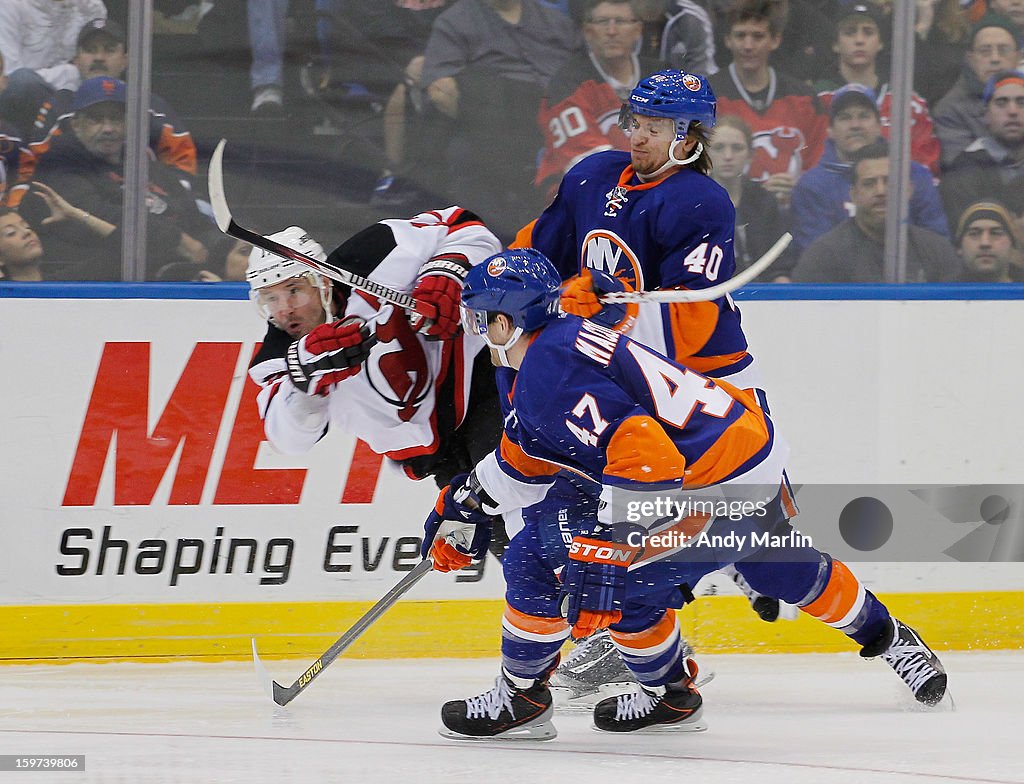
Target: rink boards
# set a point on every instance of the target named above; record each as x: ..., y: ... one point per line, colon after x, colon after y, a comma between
x: 145, y: 518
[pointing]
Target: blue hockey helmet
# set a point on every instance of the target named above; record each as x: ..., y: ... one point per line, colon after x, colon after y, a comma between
x: 680, y: 96
x: 520, y: 283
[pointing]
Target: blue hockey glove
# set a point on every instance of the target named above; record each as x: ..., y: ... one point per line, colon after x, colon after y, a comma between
x: 581, y: 297
x: 594, y: 581
x: 458, y: 531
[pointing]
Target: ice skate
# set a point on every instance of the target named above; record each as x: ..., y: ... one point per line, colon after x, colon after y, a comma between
x: 653, y: 709
x: 904, y: 651
x: 592, y: 670
x: 506, y: 712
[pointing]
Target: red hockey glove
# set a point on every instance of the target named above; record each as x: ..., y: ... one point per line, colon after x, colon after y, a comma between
x: 440, y: 284
x: 330, y: 353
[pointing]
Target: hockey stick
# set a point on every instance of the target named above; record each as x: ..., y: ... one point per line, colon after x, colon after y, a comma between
x: 705, y: 295
x: 222, y: 214
x: 282, y: 695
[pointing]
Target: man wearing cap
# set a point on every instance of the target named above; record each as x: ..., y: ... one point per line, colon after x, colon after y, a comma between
x: 988, y: 244
x: 853, y: 251
x: 99, y: 51
x: 992, y: 167
x: 959, y: 116
x: 85, y: 165
x: 821, y: 198
x: 858, y: 43
x: 40, y: 37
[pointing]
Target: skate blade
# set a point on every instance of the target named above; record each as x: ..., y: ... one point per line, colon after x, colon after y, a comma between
x: 537, y: 732
x: 704, y: 679
x: 567, y: 701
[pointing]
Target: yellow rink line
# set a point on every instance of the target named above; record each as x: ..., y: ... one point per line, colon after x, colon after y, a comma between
x: 720, y: 624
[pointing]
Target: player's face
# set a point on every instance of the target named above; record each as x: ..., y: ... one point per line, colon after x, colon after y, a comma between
x: 612, y: 30
x: 858, y: 42
x: 730, y: 152
x: 499, y: 332
x: 102, y: 56
x: 869, y: 191
x: 1004, y: 114
x: 751, y: 44
x: 293, y: 305
x: 853, y: 128
x: 993, y: 50
x: 19, y: 244
x: 100, y: 128
x: 649, y: 141
x: 986, y: 247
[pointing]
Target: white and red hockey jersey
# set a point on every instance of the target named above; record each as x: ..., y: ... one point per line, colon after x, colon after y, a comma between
x: 410, y: 389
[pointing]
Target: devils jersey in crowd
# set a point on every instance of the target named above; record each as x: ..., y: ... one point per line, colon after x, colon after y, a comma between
x: 675, y: 232
x: 786, y: 119
x: 580, y: 113
x: 412, y: 393
x: 591, y: 400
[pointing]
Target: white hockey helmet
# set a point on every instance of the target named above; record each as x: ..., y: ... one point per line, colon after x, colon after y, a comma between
x: 268, y: 269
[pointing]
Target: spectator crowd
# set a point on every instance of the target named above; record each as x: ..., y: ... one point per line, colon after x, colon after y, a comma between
x: 490, y: 102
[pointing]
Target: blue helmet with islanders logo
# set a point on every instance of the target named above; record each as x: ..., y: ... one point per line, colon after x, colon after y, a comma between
x: 520, y: 283
x: 680, y: 96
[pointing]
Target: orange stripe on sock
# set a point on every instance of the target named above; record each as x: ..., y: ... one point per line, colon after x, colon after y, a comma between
x: 648, y: 638
x: 839, y: 595
x: 534, y: 624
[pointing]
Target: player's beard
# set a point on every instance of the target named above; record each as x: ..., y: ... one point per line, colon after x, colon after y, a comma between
x: 646, y: 162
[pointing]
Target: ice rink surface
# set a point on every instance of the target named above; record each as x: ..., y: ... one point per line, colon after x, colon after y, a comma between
x: 808, y: 719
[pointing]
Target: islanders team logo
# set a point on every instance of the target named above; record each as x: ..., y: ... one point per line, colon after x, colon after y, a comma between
x: 691, y: 82
x: 495, y: 267
x: 607, y: 251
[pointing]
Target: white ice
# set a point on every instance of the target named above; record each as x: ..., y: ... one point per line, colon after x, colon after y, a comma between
x: 808, y: 719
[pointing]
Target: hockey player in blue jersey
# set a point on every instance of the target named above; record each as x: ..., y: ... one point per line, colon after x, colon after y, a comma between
x: 651, y: 219
x: 630, y: 424
x: 647, y: 219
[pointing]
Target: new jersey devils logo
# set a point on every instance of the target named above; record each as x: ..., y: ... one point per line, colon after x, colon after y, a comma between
x: 399, y: 374
x: 777, y: 151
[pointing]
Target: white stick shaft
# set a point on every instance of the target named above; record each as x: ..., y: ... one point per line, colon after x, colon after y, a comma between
x: 706, y: 295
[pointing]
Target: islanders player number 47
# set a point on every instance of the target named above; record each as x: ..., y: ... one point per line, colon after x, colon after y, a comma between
x: 629, y: 422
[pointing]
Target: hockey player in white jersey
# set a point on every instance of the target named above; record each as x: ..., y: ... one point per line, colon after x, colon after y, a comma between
x: 419, y: 392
